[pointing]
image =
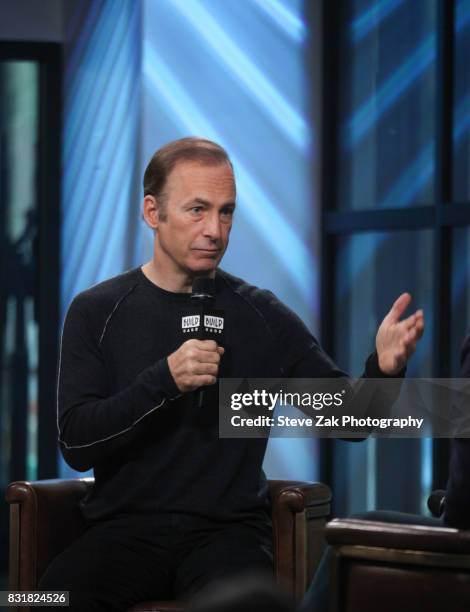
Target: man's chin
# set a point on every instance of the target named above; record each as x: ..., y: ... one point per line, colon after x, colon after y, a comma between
x: 204, y: 267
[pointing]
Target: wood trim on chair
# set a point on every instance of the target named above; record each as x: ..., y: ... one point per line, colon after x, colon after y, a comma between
x: 300, y: 557
x: 14, y: 548
x: 405, y: 557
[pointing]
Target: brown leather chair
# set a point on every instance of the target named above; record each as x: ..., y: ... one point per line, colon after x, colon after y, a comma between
x: 391, y: 566
x: 45, y: 518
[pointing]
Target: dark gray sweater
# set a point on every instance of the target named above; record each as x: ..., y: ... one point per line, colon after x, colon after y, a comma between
x: 120, y: 412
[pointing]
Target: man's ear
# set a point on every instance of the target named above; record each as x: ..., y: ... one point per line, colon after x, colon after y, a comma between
x: 150, y: 211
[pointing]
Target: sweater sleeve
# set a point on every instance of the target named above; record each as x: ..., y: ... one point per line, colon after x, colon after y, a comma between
x: 92, y: 424
x: 305, y: 358
x: 303, y: 355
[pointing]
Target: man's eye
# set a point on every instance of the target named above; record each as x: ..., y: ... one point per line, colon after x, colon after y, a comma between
x: 228, y: 213
x: 196, y: 209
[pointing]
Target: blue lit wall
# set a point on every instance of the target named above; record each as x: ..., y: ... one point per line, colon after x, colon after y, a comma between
x: 101, y: 120
x: 100, y: 142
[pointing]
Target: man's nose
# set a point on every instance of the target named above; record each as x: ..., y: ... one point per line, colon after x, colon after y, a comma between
x: 212, y: 227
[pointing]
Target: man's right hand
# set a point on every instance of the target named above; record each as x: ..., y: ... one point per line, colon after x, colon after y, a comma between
x: 195, y: 364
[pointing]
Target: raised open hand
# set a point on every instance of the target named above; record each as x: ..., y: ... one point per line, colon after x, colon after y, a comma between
x: 396, y: 340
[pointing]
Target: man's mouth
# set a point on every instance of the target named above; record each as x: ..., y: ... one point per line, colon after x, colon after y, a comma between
x: 210, y: 251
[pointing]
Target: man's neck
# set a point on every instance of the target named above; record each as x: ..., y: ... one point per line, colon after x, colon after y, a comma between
x: 176, y: 282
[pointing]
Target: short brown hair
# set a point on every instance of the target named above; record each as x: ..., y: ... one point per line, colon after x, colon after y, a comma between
x: 185, y: 149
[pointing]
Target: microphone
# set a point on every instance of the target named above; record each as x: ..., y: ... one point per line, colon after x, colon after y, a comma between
x: 436, y: 502
x: 203, y: 291
x: 210, y: 321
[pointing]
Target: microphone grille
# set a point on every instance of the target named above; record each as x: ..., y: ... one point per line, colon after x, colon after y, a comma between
x: 203, y: 287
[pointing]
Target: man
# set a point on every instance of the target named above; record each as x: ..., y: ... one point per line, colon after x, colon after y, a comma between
x: 174, y: 507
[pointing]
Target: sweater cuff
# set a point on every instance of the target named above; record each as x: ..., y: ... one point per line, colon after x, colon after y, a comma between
x: 372, y: 369
x: 169, y: 386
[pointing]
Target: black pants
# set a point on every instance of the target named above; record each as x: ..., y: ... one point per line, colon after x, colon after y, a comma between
x: 125, y: 560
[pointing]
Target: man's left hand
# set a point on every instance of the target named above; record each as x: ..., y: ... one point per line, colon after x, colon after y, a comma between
x: 396, y: 340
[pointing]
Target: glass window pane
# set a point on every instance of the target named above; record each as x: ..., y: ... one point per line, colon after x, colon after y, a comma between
x: 373, y: 269
x: 387, y: 104
x: 462, y: 103
x: 19, y: 115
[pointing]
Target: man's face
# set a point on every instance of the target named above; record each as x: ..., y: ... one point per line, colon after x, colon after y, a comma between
x: 199, y: 206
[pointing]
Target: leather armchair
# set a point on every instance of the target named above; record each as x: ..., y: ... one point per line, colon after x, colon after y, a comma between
x: 45, y: 518
x: 390, y: 567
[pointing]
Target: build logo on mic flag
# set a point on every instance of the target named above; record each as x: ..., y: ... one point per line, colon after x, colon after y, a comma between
x: 190, y: 323
x: 213, y: 324
x: 207, y: 325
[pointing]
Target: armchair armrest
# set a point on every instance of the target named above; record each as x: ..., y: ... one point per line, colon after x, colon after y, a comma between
x: 299, y: 494
x: 299, y: 512
x: 397, y: 540
x: 45, y: 518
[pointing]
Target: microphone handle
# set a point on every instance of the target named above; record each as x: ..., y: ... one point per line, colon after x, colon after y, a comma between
x: 203, y: 303
x: 200, y: 398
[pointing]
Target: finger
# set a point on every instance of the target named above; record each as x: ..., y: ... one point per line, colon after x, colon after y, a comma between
x: 419, y: 328
x: 205, y: 368
x: 409, y: 322
x: 415, y: 333
x: 401, y: 331
x: 203, y: 380
x: 399, y: 307
x: 207, y: 345
x: 206, y: 356
x: 418, y: 315
x: 411, y: 341
x: 221, y: 350
x: 416, y: 318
